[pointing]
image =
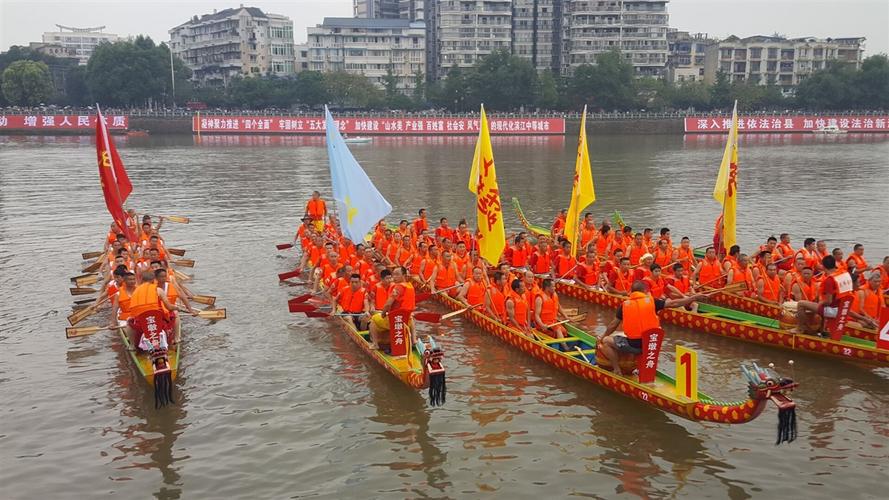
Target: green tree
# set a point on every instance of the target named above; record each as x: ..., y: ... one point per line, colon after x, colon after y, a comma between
x: 452, y: 92
x: 27, y: 83
x: 721, y: 92
x: 419, y: 89
x: 350, y: 90
x: 873, y: 83
x: 608, y: 85
x: 310, y: 89
x: 76, y: 90
x: 832, y: 88
x: 132, y: 73
x: 502, y: 82
x: 547, y: 94
x: 691, y: 95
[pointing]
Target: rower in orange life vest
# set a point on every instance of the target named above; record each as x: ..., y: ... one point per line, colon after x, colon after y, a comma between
x: 804, y: 287
x: 685, y: 255
x: 808, y: 253
x: 646, y: 239
x: 123, y: 286
x: 380, y: 290
x: 665, y: 235
x: 643, y: 270
x: 836, y: 287
x: 741, y: 272
x: 174, y: 294
x: 638, y: 313
x: 678, y: 286
x: 445, y: 275
x: 401, y: 298
x: 838, y: 257
x: 316, y: 209
x: 605, y: 241
x: 663, y: 253
x: 869, y: 303
x: 420, y: 224
x: 636, y: 250
x: 443, y: 231
x: 620, y: 280
x: 354, y: 300
x: 541, y: 260
x: 884, y: 274
x: 495, y: 297
x: 857, y: 256
x: 784, y: 258
x: 517, y: 254
x: 656, y: 283
x: 548, y: 312
x: 427, y: 267
x: 709, y: 270
x: 461, y: 259
x: 587, y: 274
x: 558, y: 227
x: 731, y: 260
x: 564, y: 263
x: 145, y: 298
x: 588, y: 231
x: 768, y: 286
x: 517, y: 309
x: 472, y: 293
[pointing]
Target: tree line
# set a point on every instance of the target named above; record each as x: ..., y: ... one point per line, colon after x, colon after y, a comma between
x: 137, y: 73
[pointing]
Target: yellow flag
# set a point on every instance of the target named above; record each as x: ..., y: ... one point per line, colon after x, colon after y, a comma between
x: 726, y: 190
x: 483, y: 182
x: 583, y: 193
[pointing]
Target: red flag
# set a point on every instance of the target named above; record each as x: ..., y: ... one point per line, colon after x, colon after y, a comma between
x: 124, y: 186
x: 110, y: 183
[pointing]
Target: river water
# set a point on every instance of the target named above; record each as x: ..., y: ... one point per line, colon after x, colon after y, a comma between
x: 274, y: 405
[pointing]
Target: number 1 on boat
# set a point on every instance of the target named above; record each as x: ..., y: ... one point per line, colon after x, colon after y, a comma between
x: 686, y: 373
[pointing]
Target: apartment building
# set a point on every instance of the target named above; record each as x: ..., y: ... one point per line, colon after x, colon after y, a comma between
x: 687, y: 56
x: 240, y: 41
x: 370, y: 47
x: 78, y: 42
x: 468, y: 30
x: 777, y: 60
x: 638, y: 28
x: 536, y: 32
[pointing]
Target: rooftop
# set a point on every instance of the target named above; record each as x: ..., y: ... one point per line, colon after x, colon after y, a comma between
x: 353, y: 22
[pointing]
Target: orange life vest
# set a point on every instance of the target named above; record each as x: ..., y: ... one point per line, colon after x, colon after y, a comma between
x: 352, y: 301
x: 417, y: 262
x: 810, y: 291
x: 686, y: 258
x: 316, y: 209
x: 811, y: 258
x: 461, y: 262
x: 476, y: 293
x: 742, y: 275
x: 520, y: 306
x: 586, y: 236
x: 549, y: 307
x: 683, y: 285
x: 603, y: 243
x: 636, y: 254
x: 656, y: 286
x: 872, y: 304
x: 564, y: 265
x: 498, y: 302
x: 541, y: 262
x: 446, y: 276
x: 710, y: 273
x: 381, y: 295
x: 123, y: 301
x: 588, y: 272
x: 771, y: 288
x: 639, y: 315
x: 663, y: 259
x: 172, y: 294
x: 622, y: 281
x: 144, y: 299
x: 406, y: 298
x: 860, y: 263
x: 786, y: 252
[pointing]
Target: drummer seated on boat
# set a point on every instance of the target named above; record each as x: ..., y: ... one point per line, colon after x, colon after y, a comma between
x: 401, y: 298
x: 147, y: 297
x: 638, y: 313
x: 548, y: 312
x: 836, y: 286
x: 354, y: 301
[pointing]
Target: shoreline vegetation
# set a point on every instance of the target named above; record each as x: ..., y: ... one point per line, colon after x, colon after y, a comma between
x: 136, y: 74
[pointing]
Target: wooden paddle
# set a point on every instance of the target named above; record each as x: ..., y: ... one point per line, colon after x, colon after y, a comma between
x: 300, y: 299
x: 212, y: 314
x: 428, y: 295
x: 173, y: 218
x: 88, y: 280
x: 82, y: 291
x: 297, y: 307
x: 83, y: 301
x: 290, y: 274
x: 284, y: 246
x: 183, y: 262
x: 72, y: 332
x: 457, y: 312
x: 93, y: 267
x: 82, y: 314
x: 176, y: 251
x: 181, y: 276
x: 91, y: 255
x: 82, y: 276
x: 204, y: 299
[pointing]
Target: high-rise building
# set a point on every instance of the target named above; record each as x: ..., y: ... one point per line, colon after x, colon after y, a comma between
x: 777, y: 60
x: 536, y: 32
x: 369, y: 47
x: 376, y: 9
x: 238, y: 41
x: 637, y: 28
x: 467, y: 30
x: 79, y: 42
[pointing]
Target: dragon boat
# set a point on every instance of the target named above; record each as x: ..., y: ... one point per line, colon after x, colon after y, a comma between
x: 662, y: 394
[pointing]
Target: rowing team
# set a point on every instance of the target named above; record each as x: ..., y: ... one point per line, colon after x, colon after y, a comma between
x: 138, y: 279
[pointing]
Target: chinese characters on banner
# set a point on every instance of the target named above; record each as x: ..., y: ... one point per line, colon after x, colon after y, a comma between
x: 398, y: 339
x: 61, y: 122
x: 651, y: 349
x: 787, y: 124
x: 375, y: 126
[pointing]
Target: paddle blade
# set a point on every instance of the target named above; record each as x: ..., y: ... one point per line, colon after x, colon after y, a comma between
x: 183, y: 262
x: 81, y: 315
x: 421, y: 297
x: 204, y: 299
x: 90, y: 255
x: 181, y: 276
x: 82, y: 276
x: 317, y: 314
x: 83, y: 301
x: 176, y: 251
x: 82, y: 291
x: 177, y: 219
x: 459, y: 312
x: 288, y: 275
x: 212, y: 314
x: 284, y: 246
x: 83, y: 331
x: 300, y: 308
x: 300, y: 299
x: 93, y: 267
x: 427, y: 317
x: 87, y: 280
